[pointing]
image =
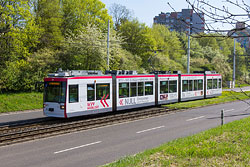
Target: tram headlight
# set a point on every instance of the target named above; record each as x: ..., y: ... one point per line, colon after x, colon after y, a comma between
x: 62, y: 107
x: 44, y: 105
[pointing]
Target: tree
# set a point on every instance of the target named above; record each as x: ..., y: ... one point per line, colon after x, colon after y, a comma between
x: 138, y: 40
x: 79, y: 14
x: 49, y: 18
x: 85, y: 51
x: 120, y: 14
x: 18, y: 37
x: 121, y: 59
x: 168, y: 42
x: 18, y: 32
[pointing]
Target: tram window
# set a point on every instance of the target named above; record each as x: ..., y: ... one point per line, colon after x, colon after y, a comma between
x: 133, y: 92
x: 102, y: 91
x: 184, y: 86
x: 148, y: 88
x: 55, y: 92
x: 73, y: 93
x: 164, y: 87
x: 200, y: 84
x: 140, y: 88
x: 195, y: 84
x: 123, y: 90
x: 209, y: 84
x: 90, y: 92
x: 219, y: 83
x: 215, y: 84
x: 172, y: 86
x: 190, y: 85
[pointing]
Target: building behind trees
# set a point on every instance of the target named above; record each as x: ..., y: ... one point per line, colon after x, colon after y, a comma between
x: 180, y: 21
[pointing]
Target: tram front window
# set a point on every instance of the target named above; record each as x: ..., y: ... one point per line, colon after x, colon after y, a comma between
x: 55, y: 92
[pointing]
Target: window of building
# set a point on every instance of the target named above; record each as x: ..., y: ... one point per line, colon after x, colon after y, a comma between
x: 209, y: 84
x: 148, y: 88
x: 73, y: 94
x: 140, y: 88
x: 133, y: 91
x: 172, y: 86
x: 123, y: 90
x: 163, y: 87
x: 102, y: 91
x: 90, y: 92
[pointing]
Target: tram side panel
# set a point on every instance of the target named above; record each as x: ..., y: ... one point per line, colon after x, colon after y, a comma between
x: 135, y: 91
x: 89, y: 95
x: 192, y: 87
x: 213, y: 85
x: 167, y: 89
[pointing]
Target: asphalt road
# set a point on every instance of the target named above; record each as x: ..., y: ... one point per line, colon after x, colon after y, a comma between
x: 12, y: 117
x: 246, y: 88
x: 104, y: 145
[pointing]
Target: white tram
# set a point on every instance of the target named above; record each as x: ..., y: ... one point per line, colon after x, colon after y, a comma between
x: 75, y: 93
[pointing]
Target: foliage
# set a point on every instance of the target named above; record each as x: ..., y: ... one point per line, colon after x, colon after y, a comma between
x: 17, y: 77
x: 121, y: 59
x: 49, y: 18
x: 78, y: 14
x: 18, y: 32
x: 138, y: 40
x: 80, y: 50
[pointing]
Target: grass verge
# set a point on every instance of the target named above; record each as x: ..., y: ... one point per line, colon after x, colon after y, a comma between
x: 227, y: 96
x: 20, y: 101
x: 221, y: 146
x: 241, y: 85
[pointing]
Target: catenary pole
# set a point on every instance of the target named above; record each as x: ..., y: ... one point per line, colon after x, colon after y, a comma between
x: 188, y: 52
x: 234, y: 64
x: 108, y: 45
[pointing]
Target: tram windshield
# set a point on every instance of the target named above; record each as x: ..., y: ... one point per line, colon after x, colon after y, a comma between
x: 55, y: 92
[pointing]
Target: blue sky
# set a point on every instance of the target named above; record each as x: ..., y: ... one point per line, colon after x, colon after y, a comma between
x: 145, y: 10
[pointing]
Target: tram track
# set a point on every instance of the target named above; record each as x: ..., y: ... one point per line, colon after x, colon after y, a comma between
x: 51, y: 127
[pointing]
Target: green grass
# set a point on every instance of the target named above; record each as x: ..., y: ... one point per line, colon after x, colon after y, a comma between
x: 221, y: 146
x: 227, y: 96
x: 241, y: 85
x: 20, y: 101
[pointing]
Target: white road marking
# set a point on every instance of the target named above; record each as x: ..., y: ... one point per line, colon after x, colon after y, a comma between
x: 150, y: 129
x: 69, y: 149
x: 228, y: 110
x: 195, y: 118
